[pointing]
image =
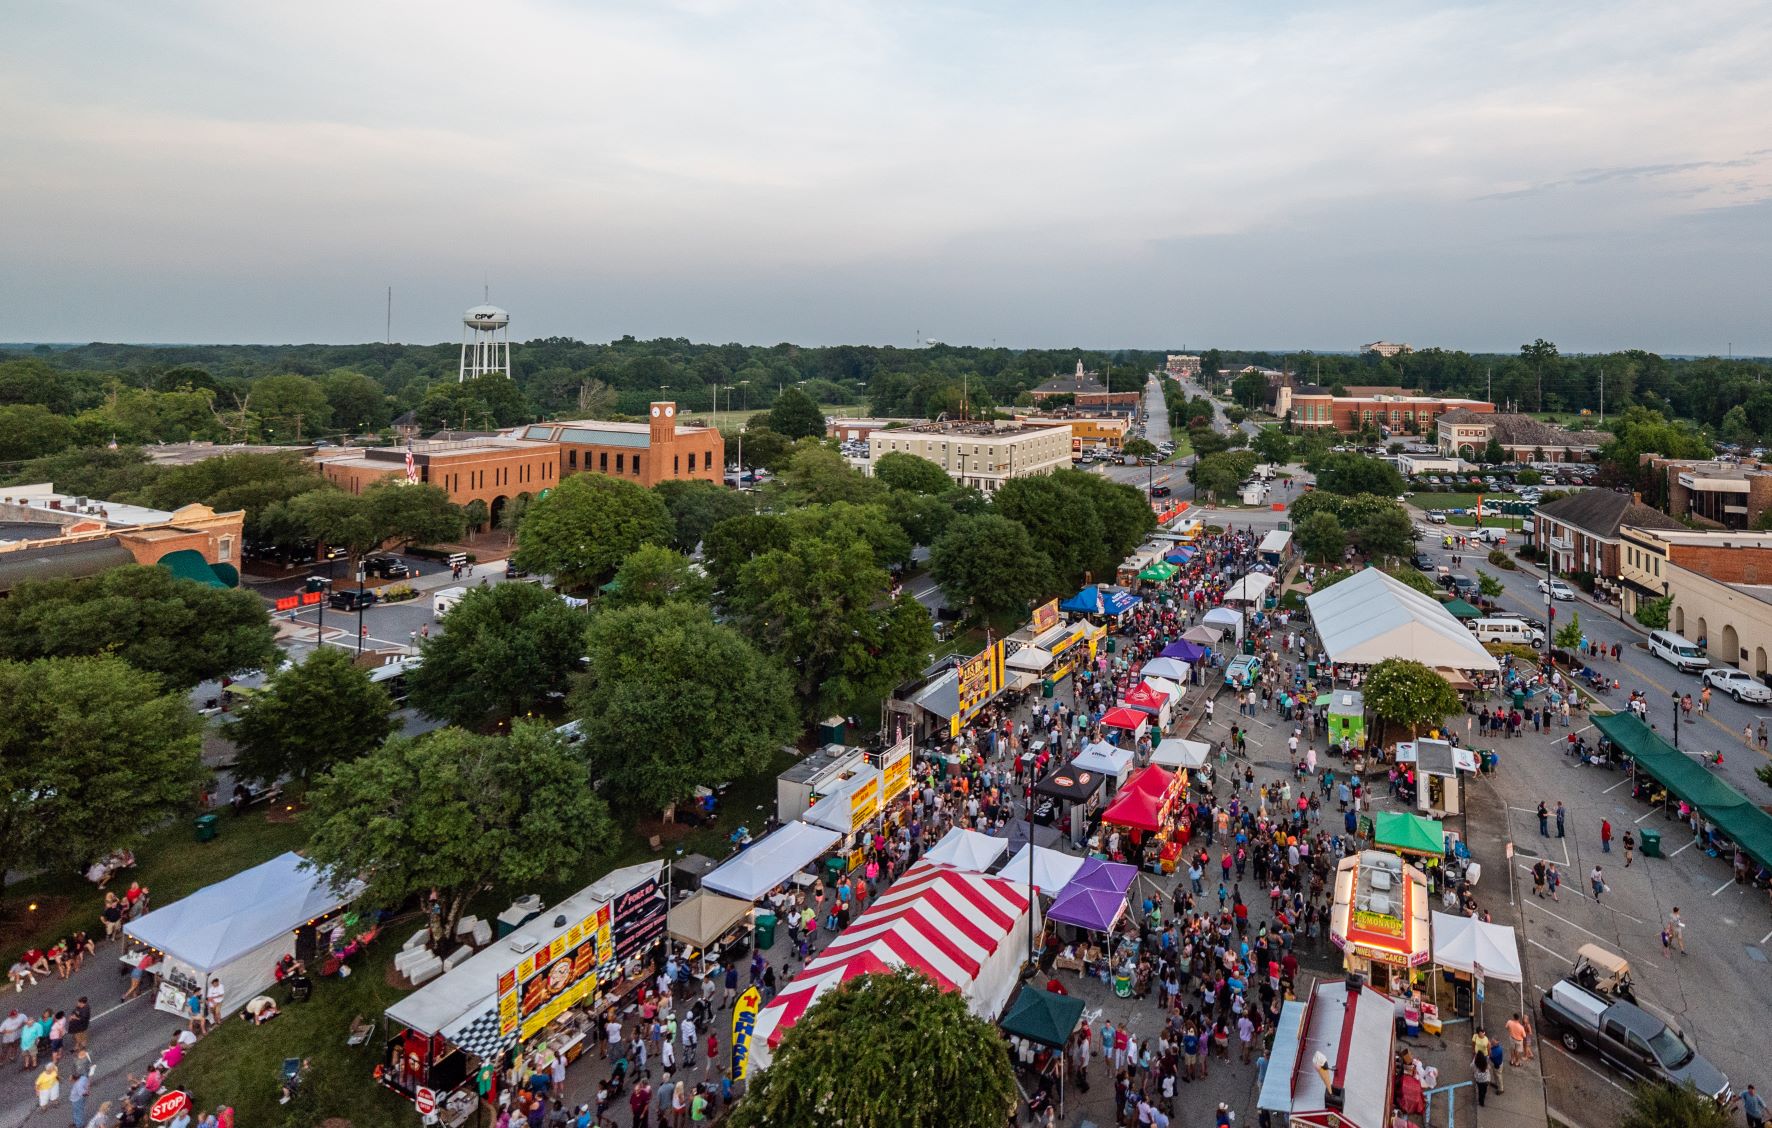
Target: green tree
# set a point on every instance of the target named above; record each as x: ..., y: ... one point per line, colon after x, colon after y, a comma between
x: 843, y: 523
x: 1654, y: 613
x: 1490, y: 586
x: 311, y: 716
x: 1250, y: 390
x: 697, y: 506
x: 505, y: 649
x: 289, y: 408
x: 391, y: 511
x: 178, y: 630
x: 1736, y: 429
x: 1654, y: 1105
x: 1084, y: 523
x: 1321, y: 538
x: 357, y: 402
x: 796, y: 415
x: 737, y: 541
x: 845, y: 1062
x: 586, y: 526
x: 671, y: 699
x: 761, y: 446
x: 1410, y: 695
x: 902, y: 471
x: 654, y: 575
x: 1271, y: 444
x: 1349, y: 474
x: 818, y: 475
x: 1383, y: 531
x: 1138, y: 448
x: 92, y: 753
x: 1568, y: 635
x: 252, y: 482
x: 1217, y: 476
x: 90, y: 471
x: 29, y: 430
x: 456, y: 812
x: 821, y: 606
x: 991, y: 563
x: 476, y: 514
x: 1493, y: 454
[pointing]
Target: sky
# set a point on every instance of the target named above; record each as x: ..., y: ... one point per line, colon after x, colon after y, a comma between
x: 1033, y: 174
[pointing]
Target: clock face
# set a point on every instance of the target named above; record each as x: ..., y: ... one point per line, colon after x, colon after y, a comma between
x: 655, y: 412
x: 670, y: 411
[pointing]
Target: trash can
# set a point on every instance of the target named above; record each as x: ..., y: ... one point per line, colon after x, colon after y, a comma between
x: 835, y: 868
x: 1110, y: 648
x: 1651, y: 840
x: 765, y: 930
x: 208, y: 826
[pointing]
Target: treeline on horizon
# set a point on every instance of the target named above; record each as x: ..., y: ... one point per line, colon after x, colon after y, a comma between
x: 53, y: 398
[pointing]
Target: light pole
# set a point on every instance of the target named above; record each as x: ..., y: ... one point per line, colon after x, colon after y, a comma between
x: 360, y: 577
x: 1676, y: 697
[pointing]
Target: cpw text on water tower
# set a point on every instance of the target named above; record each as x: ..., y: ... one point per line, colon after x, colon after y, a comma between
x: 485, y: 343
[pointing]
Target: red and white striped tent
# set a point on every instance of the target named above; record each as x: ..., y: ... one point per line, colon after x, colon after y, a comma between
x: 966, y: 931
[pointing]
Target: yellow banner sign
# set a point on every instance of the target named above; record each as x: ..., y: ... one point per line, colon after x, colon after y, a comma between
x: 864, y: 804
x: 1045, y: 617
x: 554, y: 976
x: 895, y: 771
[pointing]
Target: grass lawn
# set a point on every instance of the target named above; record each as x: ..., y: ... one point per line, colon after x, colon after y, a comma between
x: 1183, y: 448
x: 170, y: 865
x: 1451, y: 501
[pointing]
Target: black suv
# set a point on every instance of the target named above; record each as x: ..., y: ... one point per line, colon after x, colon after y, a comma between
x: 349, y: 599
x: 386, y: 567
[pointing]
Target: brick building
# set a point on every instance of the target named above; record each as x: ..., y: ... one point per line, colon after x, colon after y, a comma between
x: 980, y: 455
x: 1314, y: 407
x: 1728, y: 495
x: 1647, y: 556
x: 1582, y: 533
x: 1087, y: 431
x: 45, y: 534
x: 1465, y: 434
x: 659, y: 450
x: 1181, y: 365
x: 1086, y: 389
x: 489, y: 469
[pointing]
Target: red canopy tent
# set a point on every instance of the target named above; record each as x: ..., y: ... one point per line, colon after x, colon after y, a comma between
x: 1130, y: 720
x: 1146, y: 698
x: 1143, y: 804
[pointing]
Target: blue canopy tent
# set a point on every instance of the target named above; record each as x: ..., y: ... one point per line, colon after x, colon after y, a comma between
x: 1097, y: 600
x: 1180, y: 556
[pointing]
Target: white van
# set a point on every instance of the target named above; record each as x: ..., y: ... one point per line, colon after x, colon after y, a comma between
x: 445, y: 599
x: 1676, y: 651
x: 1513, y: 632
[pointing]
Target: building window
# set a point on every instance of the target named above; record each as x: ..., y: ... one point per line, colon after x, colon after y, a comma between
x: 572, y: 459
x: 224, y: 551
x: 603, y: 461
x: 677, y: 463
x: 636, y: 466
x: 620, y: 462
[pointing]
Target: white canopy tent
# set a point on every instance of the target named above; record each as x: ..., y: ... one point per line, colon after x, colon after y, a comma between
x: 1032, y: 659
x: 1178, y: 753
x: 1250, y: 589
x: 1173, y: 689
x: 1276, y: 542
x: 1465, y: 943
x: 967, y: 850
x: 1231, y: 622
x: 834, y: 811
x: 1173, y: 669
x: 1109, y: 760
x: 1369, y: 617
x: 236, y: 930
x: 1052, y: 870
x: 768, y: 863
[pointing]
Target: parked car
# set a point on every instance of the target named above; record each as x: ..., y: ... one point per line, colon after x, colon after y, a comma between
x: 1243, y: 672
x: 386, y: 567
x: 1677, y: 651
x: 1628, y: 1038
x: 1739, y: 684
x: 1436, y: 516
x: 1423, y: 561
x: 350, y: 599
x: 1556, y: 589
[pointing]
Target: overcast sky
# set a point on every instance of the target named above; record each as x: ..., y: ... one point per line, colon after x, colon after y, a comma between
x: 1162, y: 174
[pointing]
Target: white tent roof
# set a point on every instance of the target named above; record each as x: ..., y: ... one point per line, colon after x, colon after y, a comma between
x: 768, y: 863
x: 1276, y: 541
x: 833, y: 811
x: 1462, y: 942
x: 219, y: 923
x: 1173, y: 689
x: 1177, y: 753
x: 1105, y: 758
x: 1029, y: 658
x: 1232, y: 620
x: 1053, y: 869
x: 1369, y: 617
x: 1250, y: 588
x: 967, y: 850
x: 1173, y: 668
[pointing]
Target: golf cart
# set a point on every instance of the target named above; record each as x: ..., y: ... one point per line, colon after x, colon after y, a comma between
x: 1602, y: 971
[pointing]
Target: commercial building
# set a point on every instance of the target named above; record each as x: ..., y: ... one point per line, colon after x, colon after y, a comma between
x: 659, y: 450
x: 1466, y: 434
x: 1182, y: 365
x: 186, y: 454
x: 1087, y: 431
x: 1583, y: 532
x: 491, y: 470
x: 1086, y: 389
x: 1728, y: 495
x: 1392, y: 409
x: 981, y: 455
x: 1728, y: 557
x: 1385, y: 348
x: 45, y: 534
x: 1731, y: 621
x: 846, y: 430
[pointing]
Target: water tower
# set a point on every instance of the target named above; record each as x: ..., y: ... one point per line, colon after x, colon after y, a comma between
x: 485, y: 343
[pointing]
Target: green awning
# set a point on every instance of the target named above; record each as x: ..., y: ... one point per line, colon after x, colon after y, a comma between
x: 188, y: 564
x: 1159, y: 572
x: 1462, y: 610
x: 1043, y: 1017
x: 1409, y: 834
x: 1733, y: 813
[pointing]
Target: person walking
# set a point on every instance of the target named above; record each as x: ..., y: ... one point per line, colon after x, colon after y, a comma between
x: 1553, y: 877
x: 1605, y: 836
x: 1630, y: 844
x: 1597, y: 879
x: 1543, y: 820
x: 1516, y: 1040
x: 1480, y: 1074
x: 77, y: 1094
x: 1676, y: 925
x: 1538, y: 878
x: 1753, y: 1108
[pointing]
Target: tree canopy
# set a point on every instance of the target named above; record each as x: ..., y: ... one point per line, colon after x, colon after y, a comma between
x: 696, y: 507
x: 1410, y: 695
x: 587, y: 525
x: 902, y: 471
x: 1349, y: 474
x: 92, y: 752
x: 179, y: 630
x: 654, y: 575
x: 1084, y: 523
x: 386, y: 511
x: 310, y: 716
x: 504, y: 650
x: 670, y: 699
x: 884, y: 1049
x: 1321, y: 537
x: 1654, y: 1105
x: 991, y: 563
x: 796, y: 415
x: 455, y: 811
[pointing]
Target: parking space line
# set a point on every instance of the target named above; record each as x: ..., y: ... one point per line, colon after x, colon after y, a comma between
x: 1652, y: 811
x: 1684, y: 848
x: 1558, y: 1047
x: 1616, y: 786
x: 1722, y: 887
x: 1552, y: 951
x: 1766, y: 937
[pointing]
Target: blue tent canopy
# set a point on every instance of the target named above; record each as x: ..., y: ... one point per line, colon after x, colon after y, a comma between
x: 1180, y: 556
x: 1093, y: 600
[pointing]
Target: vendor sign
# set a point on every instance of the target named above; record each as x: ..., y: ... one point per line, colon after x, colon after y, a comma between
x: 895, y: 770
x: 980, y: 680
x: 640, y: 916
x: 554, y: 976
x: 864, y: 804
x: 744, y: 1023
x: 1045, y: 617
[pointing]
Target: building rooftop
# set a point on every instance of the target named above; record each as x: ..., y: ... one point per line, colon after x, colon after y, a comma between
x: 983, y: 429
x: 1071, y: 385
x: 1522, y: 430
x: 184, y: 454
x: 1704, y: 538
x: 1601, y: 513
x: 43, y: 498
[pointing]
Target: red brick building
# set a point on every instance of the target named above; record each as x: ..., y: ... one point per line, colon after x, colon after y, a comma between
x: 1393, y: 408
x: 659, y: 450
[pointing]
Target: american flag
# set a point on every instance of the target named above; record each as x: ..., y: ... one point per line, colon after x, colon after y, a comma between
x: 411, y: 467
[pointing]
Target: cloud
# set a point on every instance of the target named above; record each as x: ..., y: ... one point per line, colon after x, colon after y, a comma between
x: 851, y: 170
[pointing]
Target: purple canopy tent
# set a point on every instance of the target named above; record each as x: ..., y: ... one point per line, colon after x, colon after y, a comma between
x: 1111, y: 877
x: 1183, y: 650
x: 1097, y: 910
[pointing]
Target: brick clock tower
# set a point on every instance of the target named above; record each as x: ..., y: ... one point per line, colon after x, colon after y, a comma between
x: 664, y: 426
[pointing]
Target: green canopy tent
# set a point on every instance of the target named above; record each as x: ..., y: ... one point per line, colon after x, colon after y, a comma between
x: 1404, y: 833
x: 1158, y: 572
x: 1047, y: 1018
x: 188, y: 564
x: 1462, y: 610
x: 1734, y: 814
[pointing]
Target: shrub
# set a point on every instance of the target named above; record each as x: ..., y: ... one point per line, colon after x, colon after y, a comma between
x: 1583, y: 580
x: 1499, y: 558
x: 397, y: 593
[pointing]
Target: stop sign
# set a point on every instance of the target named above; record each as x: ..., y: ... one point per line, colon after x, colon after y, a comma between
x: 425, y: 1101
x: 168, y: 1106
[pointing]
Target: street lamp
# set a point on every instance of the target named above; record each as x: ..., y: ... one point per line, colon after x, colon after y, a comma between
x: 1676, y: 697
x: 361, y: 573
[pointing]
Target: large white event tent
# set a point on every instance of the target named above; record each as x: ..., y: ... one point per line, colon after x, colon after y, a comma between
x: 1250, y: 589
x: 766, y: 864
x: 1108, y: 759
x: 1370, y: 616
x: 967, y: 850
x: 1053, y: 869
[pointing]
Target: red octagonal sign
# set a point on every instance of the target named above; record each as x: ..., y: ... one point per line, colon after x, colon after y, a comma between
x: 169, y: 1105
